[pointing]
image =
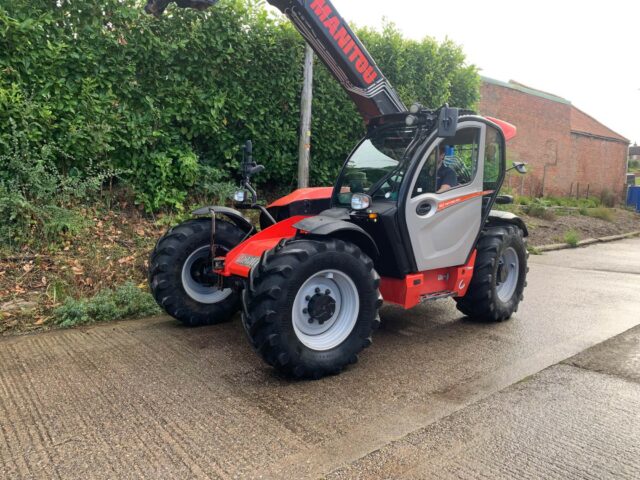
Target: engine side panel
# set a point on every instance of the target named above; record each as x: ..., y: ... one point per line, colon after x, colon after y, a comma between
x: 245, y: 256
x: 306, y: 201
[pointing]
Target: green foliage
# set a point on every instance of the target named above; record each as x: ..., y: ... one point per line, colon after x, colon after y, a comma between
x: 602, y: 213
x: 634, y: 165
x: 127, y: 301
x: 170, y: 100
x: 572, y: 238
x: 36, y: 198
x: 538, y: 209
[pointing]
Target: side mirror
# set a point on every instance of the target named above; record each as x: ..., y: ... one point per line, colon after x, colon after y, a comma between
x: 520, y: 167
x: 448, y: 122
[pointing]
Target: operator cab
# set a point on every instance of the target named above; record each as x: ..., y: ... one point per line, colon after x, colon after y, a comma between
x: 423, y: 197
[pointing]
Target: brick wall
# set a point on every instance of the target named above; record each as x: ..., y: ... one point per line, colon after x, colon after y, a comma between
x: 602, y: 165
x: 558, y: 159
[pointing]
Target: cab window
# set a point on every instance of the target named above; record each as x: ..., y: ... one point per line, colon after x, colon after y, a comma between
x: 452, y: 164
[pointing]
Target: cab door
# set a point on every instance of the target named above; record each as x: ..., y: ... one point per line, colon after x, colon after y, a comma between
x: 443, y: 227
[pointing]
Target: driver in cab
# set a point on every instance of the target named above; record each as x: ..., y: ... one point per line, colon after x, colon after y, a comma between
x: 446, y: 177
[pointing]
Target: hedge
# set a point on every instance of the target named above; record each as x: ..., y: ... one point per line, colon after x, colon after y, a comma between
x: 168, y: 100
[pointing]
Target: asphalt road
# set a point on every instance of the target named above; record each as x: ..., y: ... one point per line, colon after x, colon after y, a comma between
x: 153, y: 399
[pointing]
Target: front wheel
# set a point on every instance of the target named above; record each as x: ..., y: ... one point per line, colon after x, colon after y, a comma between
x: 499, y: 276
x: 312, y: 306
x: 181, y: 275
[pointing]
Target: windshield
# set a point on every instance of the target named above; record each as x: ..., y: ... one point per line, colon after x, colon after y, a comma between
x: 378, y: 165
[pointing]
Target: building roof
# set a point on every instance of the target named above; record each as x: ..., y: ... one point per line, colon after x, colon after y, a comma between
x: 635, y: 150
x: 524, y: 89
x: 583, y: 124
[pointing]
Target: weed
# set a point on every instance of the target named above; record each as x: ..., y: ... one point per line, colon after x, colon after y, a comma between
x: 533, y: 250
x: 127, y: 301
x: 539, y: 210
x: 36, y: 198
x: 572, y: 238
x: 608, y: 198
x: 601, y: 213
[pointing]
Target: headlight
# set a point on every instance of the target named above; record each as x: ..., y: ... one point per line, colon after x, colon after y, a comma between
x: 360, y: 201
x: 240, y: 196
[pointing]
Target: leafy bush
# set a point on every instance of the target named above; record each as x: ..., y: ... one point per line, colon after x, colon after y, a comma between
x: 127, y: 301
x: 159, y: 98
x: 572, y: 238
x: 36, y: 199
x: 538, y: 209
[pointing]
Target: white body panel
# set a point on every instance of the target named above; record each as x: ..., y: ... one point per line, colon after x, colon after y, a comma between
x: 445, y: 238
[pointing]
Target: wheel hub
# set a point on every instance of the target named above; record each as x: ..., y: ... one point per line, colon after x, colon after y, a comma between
x: 507, y: 274
x: 321, y: 307
x: 202, y: 273
x: 199, y: 280
x: 325, y: 310
x: 502, y: 273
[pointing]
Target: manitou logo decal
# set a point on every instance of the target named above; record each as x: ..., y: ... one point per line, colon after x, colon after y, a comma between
x: 340, y: 34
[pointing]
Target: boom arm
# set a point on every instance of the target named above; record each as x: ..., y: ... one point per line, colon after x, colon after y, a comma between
x: 335, y: 44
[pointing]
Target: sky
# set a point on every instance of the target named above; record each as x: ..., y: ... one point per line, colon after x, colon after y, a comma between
x: 584, y: 51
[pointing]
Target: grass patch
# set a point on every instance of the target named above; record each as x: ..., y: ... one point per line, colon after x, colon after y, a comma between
x: 126, y: 301
x: 533, y: 250
x: 560, y: 202
x: 601, y: 213
x: 572, y: 238
x: 539, y: 210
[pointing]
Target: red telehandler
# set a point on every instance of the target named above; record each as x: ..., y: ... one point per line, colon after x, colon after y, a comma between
x: 409, y: 220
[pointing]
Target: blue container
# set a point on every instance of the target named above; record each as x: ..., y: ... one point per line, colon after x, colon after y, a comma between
x: 633, y: 197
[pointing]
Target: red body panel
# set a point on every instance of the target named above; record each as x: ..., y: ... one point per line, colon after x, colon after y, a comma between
x: 509, y: 131
x: 442, y: 282
x: 464, y: 198
x: 319, y: 193
x: 245, y: 256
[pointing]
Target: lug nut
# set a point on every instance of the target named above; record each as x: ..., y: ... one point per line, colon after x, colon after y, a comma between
x: 317, y: 290
x: 305, y: 311
x: 307, y: 298
x: 310, y: 321
x: 327, y: 292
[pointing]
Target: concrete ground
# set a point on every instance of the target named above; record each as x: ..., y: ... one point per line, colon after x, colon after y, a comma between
x: 436, y: 395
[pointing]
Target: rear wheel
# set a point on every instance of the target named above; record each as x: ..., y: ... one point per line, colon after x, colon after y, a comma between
x: 312, y: 306
x: 181, y: 275
x: 499, y: 277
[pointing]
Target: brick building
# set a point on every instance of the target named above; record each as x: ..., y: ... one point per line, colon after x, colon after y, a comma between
x: 569, y: 153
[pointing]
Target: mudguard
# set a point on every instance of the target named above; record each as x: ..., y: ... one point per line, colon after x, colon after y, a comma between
x: 337, y: 226
x: 234, y: 215
x: 497, y: 218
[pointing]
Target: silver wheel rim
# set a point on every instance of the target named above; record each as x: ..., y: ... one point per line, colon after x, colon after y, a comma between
x: 510, y: 264
x: 343, y: 295
x: 204, y: 294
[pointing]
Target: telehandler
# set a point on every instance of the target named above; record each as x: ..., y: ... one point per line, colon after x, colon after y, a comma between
x: 409, y: 220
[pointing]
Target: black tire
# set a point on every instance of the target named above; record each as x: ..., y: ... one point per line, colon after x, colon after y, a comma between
x: 482, y: 301
x: 166, y: 269
x: 269, y: 300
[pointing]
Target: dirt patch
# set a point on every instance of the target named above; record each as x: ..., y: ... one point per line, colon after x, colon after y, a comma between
x: 112, y: 251
x: 545, y: 232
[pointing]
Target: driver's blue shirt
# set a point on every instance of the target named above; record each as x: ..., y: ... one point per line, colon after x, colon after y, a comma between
x: 446, y: 176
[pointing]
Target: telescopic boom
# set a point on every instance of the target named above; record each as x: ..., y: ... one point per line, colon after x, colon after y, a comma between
x: 335, y: 44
